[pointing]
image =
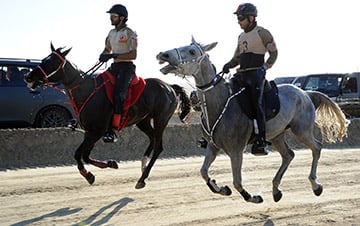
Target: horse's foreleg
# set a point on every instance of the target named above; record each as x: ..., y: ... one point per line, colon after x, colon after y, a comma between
x: 236, y: 158
x: 210, y: 155
x: 78, y: 155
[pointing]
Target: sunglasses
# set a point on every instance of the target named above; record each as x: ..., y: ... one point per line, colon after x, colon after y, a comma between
x: 241, y: 17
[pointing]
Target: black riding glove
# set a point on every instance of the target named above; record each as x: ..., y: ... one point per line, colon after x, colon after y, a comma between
x: 226, y: 68
x: 104, y: 57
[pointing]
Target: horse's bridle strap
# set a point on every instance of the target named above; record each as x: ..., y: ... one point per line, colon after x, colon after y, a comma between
x: 214, y: 81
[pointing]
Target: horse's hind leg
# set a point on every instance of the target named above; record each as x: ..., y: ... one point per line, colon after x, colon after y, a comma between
x: 146, y: 127
x: 155, y: 136
x: 309, y: 140
x: 286, y: 155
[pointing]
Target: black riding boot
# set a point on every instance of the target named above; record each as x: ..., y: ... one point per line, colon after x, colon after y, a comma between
x: 259, y: 146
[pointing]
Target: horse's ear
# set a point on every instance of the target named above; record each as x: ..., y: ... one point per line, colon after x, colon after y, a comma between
x: 193, y: 39
x: 209, y: 46
x: 66, y: 52
x: 52, y: 47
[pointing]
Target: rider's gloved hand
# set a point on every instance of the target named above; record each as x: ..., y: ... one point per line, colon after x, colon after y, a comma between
x: 104, y: 57
x: 226, y: 68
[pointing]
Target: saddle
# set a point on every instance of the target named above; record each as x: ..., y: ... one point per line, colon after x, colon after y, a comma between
x: 271, y: 100
x: 137, y: 86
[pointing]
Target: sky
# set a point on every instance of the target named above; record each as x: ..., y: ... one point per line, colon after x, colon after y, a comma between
x: 312, y: 36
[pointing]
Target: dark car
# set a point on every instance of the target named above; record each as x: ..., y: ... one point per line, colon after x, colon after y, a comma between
x: 326, y: 83
x: 22, y: 107
x: 284, y: 80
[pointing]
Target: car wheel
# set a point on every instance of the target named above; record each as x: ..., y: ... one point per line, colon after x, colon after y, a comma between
x: 53, y: 116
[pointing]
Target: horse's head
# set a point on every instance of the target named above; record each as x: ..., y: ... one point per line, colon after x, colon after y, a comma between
x: 48, y: 70
x: 185, y: 60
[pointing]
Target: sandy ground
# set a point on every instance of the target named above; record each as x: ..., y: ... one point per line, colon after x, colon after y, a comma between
x: 176, y: 194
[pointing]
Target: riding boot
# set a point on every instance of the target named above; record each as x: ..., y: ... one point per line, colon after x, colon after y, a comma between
x: 259, y: 147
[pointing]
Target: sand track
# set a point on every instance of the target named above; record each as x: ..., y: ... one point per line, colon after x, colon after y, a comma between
x: 175, y: 193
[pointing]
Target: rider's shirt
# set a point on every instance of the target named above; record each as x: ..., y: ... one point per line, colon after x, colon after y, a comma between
x: 252, y: 47
x: 121, y: 41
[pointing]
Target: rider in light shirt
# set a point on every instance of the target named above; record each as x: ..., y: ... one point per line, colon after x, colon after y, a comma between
x: 250, y: 52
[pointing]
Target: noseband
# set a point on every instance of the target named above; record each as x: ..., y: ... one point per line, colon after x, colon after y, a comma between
x: 213, y: 82
x: 61, y: 66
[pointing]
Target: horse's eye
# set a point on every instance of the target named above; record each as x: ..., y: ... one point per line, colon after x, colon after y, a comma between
x: 192, y: 52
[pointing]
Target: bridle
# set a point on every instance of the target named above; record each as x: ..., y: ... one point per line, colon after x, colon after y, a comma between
x: 60, y: 67
x: 206, y: 87
x: 202, y: 89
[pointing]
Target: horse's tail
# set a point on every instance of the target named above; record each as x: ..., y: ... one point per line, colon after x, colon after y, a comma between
x: 329, y: 117
x: 185, y: 105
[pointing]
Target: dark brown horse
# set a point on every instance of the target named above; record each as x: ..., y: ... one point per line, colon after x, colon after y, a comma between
x: 151, y: 113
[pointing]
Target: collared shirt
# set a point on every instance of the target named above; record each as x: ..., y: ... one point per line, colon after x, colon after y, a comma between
x: 121, y: 41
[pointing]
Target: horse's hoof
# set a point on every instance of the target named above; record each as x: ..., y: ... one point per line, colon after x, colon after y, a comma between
x: 225, y: 190
x: 277, y: 196
x: 319, y: 190
x: 90, y: 178
x: 256, y: 199
x: 112, y: 164
x: 140, y: 185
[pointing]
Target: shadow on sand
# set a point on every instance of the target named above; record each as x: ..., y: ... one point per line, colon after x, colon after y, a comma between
x: 58, y: 213
x: 117, y: 206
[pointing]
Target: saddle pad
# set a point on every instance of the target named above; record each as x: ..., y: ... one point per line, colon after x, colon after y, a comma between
x: 271, y: 101
x: 134, y: 92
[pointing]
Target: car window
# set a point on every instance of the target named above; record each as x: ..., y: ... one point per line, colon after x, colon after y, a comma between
x: 323, y: 83
x: 13, y: 75
x: 350, y: 85
x: 299, y: 81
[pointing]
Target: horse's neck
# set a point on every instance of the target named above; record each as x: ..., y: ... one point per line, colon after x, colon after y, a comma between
x: 213, y: 99
x: 78, y: 87
x: 72, y: 76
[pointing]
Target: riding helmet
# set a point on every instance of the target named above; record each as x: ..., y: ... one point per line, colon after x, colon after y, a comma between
x: 119, y: 9
x: 246, y: 9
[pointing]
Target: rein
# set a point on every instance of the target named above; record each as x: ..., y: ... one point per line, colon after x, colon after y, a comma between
x: 210, y: 131
x: 77, y: 109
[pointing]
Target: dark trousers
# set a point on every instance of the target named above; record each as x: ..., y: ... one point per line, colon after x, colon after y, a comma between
x: 255, y: 81
x: 124, y: 72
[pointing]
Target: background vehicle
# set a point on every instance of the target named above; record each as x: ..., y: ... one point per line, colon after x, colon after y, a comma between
x: 325, y: 83
x: 21, y: 107
x: 282, y: 80
x: 342, y: 88
x: 349, y: 94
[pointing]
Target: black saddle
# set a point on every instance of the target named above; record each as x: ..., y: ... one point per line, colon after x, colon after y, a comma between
x: 271, y: 100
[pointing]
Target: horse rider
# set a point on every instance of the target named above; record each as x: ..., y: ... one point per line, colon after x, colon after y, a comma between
x: 253, y: 43
x: 120, y: 44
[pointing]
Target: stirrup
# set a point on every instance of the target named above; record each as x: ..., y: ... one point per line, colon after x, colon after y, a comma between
x: 110, y: 137
x: 259, y: 149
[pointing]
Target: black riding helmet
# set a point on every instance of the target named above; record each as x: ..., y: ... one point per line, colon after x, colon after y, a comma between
x: 246, y: 9
x: 120, y: 10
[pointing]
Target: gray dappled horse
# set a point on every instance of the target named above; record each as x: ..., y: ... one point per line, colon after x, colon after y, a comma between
x: 226, y: 127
